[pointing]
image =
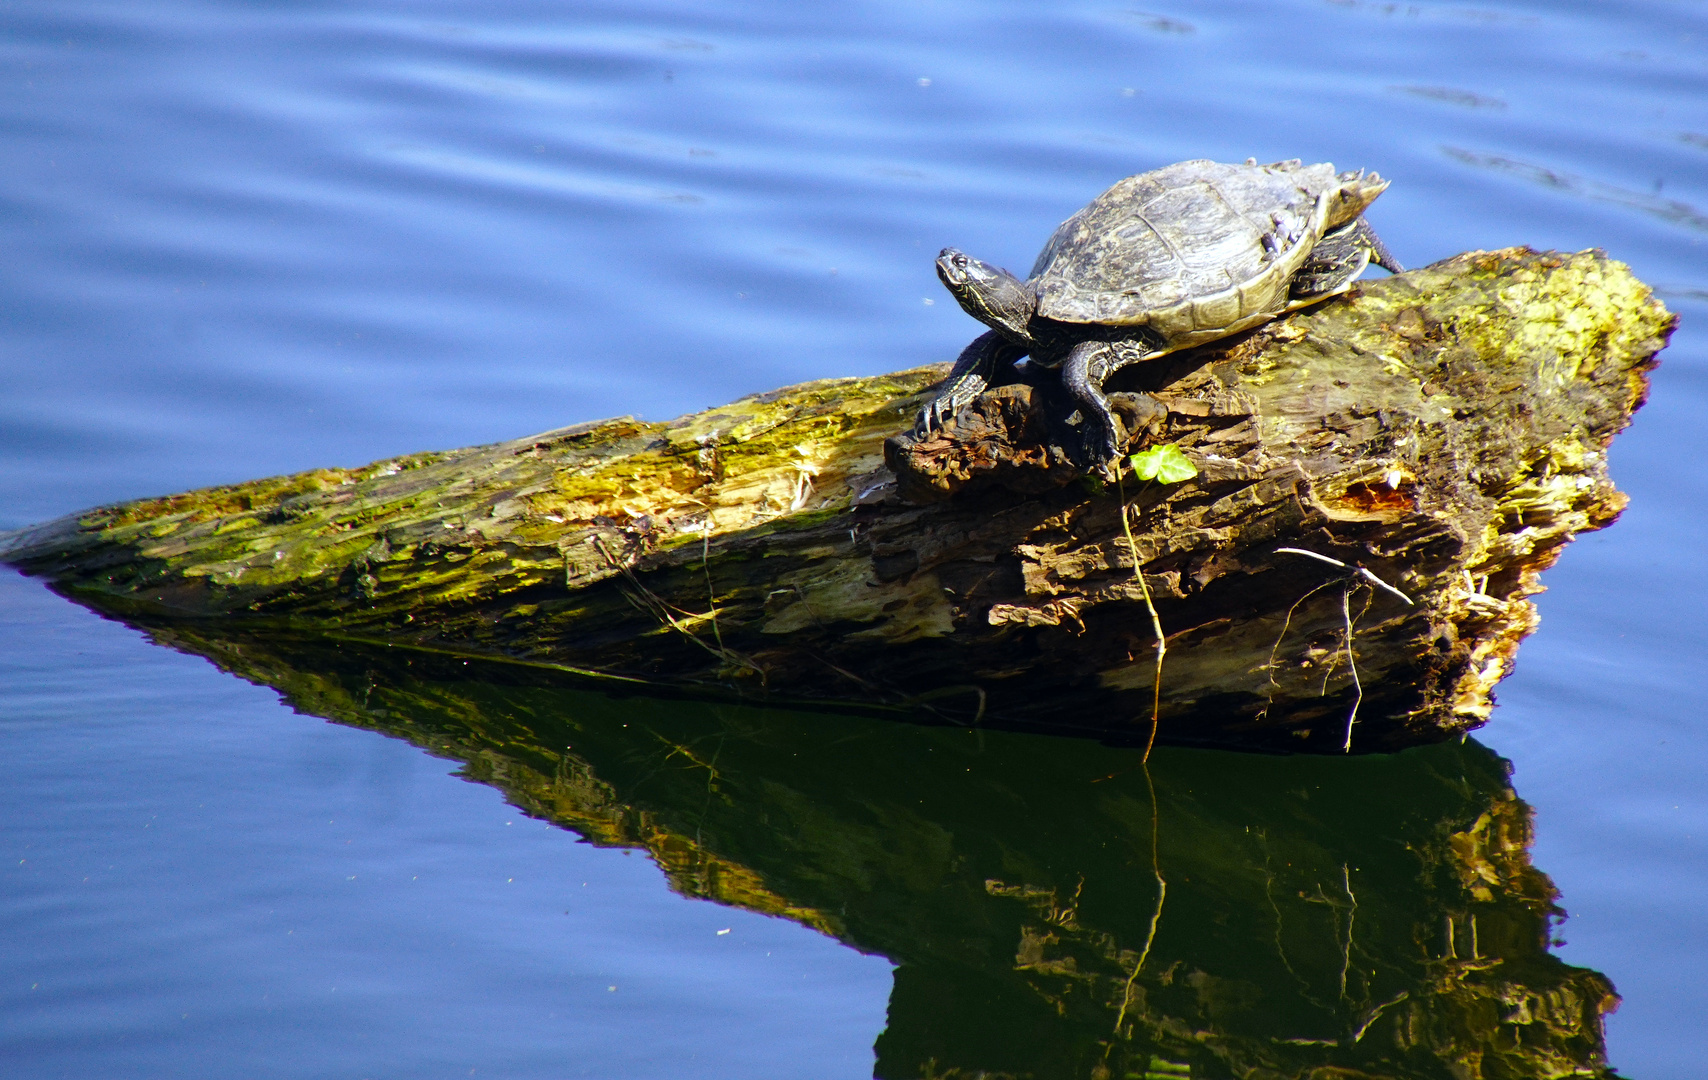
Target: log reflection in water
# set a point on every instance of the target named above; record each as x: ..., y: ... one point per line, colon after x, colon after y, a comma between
x: 1055, y: 908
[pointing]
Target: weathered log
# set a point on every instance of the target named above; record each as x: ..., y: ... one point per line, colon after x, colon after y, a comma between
x: 1443, y: 430
x: 1055, y: 908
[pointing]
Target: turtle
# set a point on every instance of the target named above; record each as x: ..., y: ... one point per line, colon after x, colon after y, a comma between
x: 1162, y: 261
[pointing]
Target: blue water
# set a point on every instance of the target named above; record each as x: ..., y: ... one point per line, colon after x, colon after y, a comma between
x: 204, y: 884
x: 245, y: 239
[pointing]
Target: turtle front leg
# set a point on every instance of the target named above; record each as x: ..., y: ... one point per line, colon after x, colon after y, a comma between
x: 1083, y: 373
x: 988, y: 361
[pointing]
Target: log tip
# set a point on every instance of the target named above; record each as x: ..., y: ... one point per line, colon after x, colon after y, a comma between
x: 33, y: 543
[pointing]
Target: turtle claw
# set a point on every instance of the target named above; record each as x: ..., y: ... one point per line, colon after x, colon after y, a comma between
x: 926, y: 422
x: 949, y: 401
x: 987, y: 359
x: 1102, y: 448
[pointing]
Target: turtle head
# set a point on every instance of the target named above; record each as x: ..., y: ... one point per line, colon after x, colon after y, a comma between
x: 1356, y: 191
x: 989, y: 294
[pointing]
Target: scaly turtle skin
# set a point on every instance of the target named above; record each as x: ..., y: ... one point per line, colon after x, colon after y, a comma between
x: 1161, y: 261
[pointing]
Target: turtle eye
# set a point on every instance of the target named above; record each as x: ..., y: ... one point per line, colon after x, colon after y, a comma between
x: 960, y: 262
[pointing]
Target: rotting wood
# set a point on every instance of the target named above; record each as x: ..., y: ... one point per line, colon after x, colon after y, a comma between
x: 1445, y: 429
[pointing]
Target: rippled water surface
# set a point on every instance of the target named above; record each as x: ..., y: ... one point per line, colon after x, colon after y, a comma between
x: 246, y: 239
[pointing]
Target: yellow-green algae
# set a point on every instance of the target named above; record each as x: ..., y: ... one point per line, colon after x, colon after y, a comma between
x: 748, y: 463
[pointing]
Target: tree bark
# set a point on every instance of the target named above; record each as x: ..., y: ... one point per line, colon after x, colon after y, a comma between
x: 1442, y: 433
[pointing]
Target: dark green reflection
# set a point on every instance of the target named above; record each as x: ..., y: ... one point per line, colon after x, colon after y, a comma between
x: 1323, y: 918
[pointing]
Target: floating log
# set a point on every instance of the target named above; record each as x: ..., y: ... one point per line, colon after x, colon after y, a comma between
x: 1440, y: 434
x: 1055, y: 908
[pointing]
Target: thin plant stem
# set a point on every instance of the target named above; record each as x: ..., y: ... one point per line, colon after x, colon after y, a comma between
x: 1287, y: 622
x: 647, y: 600
x: 1156, y: 620
x: 1156, y: 915
x: 706, y: 568
x: 1351, y: 914
x: 1352, y: 663
x: 1355, y: 571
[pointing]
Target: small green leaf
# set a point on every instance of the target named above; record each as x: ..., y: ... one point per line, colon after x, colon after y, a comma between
x: 1164, y: 464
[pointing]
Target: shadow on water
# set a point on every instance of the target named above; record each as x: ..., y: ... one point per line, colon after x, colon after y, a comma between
x: 1054, y: 909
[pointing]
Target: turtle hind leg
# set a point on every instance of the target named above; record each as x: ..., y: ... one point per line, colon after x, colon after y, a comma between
x: 1083, y: 373
x: 1379, y: 253
x: 988, y: 361
x: 1337, y: 260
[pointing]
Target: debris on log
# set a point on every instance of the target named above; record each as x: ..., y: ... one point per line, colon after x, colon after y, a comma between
x: 1441, y: 434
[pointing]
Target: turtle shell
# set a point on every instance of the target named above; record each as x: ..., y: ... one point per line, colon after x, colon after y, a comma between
x: 1195, y: 247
